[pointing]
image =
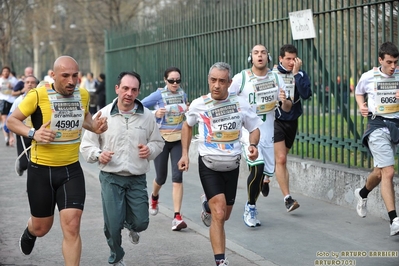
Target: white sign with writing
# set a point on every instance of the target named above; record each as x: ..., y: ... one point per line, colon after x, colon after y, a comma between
x: 302, y: 26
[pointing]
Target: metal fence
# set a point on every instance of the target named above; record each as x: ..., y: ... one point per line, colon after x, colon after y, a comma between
x: 348, y: 34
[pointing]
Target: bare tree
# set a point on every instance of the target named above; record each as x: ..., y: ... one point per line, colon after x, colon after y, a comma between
x: 11, y: 15
x: 97, y: 16
x: 51, y: 28
x: 32, y: 29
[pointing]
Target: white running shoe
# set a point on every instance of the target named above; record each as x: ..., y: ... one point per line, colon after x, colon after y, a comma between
x: 134, y: 237
x: 178, y: 223
x: 119, y: 263
x: 361, y: 206
x: 223, y: 262
x: 249, y: 216
x: 205, y: 215
x: 395, y: 227
x: 154, y: 206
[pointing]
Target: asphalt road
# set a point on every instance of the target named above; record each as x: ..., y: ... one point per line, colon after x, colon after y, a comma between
x: 317, y: 233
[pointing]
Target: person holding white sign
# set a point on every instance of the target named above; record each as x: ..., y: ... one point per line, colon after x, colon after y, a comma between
x: 298, y: 87
x: 381, y: 85
x: 264, y: 91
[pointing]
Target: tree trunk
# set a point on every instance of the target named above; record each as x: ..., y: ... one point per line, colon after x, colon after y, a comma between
x: 5, y: 43
x: 93, y: 57
x: 91, y: 43
x: 36, y: 52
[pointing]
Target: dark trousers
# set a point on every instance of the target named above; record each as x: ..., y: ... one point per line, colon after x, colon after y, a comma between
x: 23, y: 161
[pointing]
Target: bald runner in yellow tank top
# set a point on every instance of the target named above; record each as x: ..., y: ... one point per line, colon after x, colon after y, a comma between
x: 58, y: 112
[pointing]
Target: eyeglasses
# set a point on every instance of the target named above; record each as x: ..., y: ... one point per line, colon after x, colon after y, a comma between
x: 171, y: 81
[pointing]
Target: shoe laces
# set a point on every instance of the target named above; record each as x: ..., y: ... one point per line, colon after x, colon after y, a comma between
x: 223, y: 262
x: 206, y: 215
x: 364, y: 203
x: 289, y: 200
x: 253, y: 212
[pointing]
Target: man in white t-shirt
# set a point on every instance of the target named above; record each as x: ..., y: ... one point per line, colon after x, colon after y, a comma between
x: 49, y: 77
x: 7, y: 83
x: 381, y: 85
x: 220, y: 117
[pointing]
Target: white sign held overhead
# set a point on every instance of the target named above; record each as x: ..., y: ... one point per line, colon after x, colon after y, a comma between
x: 302, y: 26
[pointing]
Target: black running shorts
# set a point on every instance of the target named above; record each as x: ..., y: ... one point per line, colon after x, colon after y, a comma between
x: 62, y: 185
x: 285, y: 130
x: 215, y: 183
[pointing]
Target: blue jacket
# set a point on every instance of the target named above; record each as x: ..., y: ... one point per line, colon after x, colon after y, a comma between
x: 302, y: 90
x: 377, y: 122
x: 155, y: 101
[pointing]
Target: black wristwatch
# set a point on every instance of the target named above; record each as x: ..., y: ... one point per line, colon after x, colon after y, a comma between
x: 31, y: 133
x: 253, y: 145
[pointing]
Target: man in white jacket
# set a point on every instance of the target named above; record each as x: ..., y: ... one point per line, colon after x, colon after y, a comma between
x: 123, y: 154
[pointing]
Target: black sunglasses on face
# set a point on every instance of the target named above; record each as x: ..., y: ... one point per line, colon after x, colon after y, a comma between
x: 171, y: 81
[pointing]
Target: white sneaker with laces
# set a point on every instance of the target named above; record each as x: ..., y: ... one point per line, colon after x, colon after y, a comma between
x: 134, y: 237
x: 249, y: 216
x: 205, y: 216
x: 153, y: 206
x: 395, y: 227
x: 361, y: 206
x: 119, y: 263
x: 178, y: 224
x: 223, y: 262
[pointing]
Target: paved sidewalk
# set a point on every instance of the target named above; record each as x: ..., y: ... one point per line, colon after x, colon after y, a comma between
x: 159, y: 245
x: 316, y: 231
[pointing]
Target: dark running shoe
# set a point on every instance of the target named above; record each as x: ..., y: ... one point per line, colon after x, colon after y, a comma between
x: 26, y: 243
x: 265, y: 189
x: 291, y: 204
x: 265, y: 186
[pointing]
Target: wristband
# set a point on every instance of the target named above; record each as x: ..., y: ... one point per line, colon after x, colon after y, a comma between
x: 253, y: 145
